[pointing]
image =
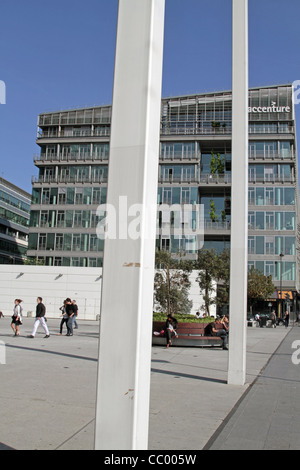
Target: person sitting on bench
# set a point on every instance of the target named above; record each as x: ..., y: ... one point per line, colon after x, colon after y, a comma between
x: 214, y: 329
x: 171, y: 325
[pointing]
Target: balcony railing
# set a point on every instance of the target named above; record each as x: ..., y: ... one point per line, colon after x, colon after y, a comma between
x: 178, y: 179
x: 270, y: 129
x: 218, y: 225
x: 215, y: 179
x: 190, y: 156
x: 271, y: 179
x: 105, y: 132
x: 188, y: 129
x: 72, y: 157
x: 69, y: 179
x: 260, y: 155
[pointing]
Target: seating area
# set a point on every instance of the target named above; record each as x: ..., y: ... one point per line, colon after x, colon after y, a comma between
x: 189, y: 335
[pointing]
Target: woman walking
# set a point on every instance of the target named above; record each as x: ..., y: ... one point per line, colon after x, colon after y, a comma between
x: 17, y: 318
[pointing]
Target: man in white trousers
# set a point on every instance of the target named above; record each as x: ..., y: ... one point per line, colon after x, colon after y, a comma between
x: 40, y: 318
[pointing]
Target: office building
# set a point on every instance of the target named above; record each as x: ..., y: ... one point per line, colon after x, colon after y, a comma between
x: 14, y: 223
x: 195, y: 168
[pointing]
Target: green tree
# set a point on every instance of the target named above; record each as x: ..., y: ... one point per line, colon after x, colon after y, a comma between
x: 206, y: 264
x: 213, y: 163
x: 220, y: 164
x: 171, y: 283
x: 260, y: 287
x: 213, y: 268
x: 217, y: 164
x: 212, y: 213
x: 223, y: 277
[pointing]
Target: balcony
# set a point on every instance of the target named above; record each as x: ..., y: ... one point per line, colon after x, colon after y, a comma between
x: 73, y: 158
x: 215, y: 179
x: 271, y: 179
x: 69, y: 179
x: 180, y: 156
x: 218, y: 226
x: 178, y: 179
x: 191, y: 128
x: 270, y: 156
x: 100, y: 132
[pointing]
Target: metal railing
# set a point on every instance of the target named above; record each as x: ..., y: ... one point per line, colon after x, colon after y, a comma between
x: 215, y: 179
x: 271, y: 179
x: 73, y: 157
x: 105, y: 132
x: 260, y: 155
x: 69, y: 179
x: 178, y: 179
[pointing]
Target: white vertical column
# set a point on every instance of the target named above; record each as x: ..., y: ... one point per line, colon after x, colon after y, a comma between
x: 122, y: 409
x: 239, y: 196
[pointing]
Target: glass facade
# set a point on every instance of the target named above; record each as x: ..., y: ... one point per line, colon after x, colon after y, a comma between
x: 194, y: 168
x: 14, y: 223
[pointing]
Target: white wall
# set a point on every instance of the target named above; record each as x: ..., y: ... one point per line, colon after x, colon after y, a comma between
x: 81, y: 284
x: 197, y: 298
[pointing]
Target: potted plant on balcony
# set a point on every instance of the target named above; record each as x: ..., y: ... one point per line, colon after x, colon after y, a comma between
x: 212, y: 213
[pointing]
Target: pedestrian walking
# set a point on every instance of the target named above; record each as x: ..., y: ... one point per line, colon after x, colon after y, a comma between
x: 64, y: 319
x: 273, y: 318
x: 70, y: 311
x: 17, y: 318
x: 286, y: 318
x: 40, y: 318
x: 74, y: 323
x: 258, y: 319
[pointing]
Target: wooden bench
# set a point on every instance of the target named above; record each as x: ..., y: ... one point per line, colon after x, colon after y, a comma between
x: 189, y: 335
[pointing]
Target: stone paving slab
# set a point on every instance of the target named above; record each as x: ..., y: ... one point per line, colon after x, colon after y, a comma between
x: 269, y: 416
x: 48, y: 388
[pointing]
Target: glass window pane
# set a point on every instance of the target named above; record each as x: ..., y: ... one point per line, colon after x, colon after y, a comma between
x: 289, y: 196
x: 260, y: 245
x: 260, y: 192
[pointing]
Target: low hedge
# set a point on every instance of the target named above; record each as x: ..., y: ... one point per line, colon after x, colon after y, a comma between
x: 159, y: 316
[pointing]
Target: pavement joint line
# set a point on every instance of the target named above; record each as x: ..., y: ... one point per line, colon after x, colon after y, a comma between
x: 75, y: 434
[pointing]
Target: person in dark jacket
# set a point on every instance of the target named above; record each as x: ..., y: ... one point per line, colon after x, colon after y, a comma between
x: 286, y: 318
x: 218, y: 328
x: 171, y: 326
x: 40, y: 318
x: 70, y: 311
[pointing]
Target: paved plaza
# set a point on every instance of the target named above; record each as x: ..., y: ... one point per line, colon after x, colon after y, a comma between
x: 48, y: 389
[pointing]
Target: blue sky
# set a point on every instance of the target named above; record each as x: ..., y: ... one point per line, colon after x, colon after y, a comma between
x: 60, y: 54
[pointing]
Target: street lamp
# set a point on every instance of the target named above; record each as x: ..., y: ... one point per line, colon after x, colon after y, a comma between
x: 281, y: 299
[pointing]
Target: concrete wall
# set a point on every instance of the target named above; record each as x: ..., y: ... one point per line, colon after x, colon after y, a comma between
x: 55, y: 283
x: 197, y: 298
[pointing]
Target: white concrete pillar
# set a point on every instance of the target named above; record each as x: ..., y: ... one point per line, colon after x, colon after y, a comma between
x: 122, y: 409
x: 239, y: 196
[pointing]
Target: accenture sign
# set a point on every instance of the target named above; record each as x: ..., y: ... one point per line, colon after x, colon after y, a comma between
x: 270, y: 109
